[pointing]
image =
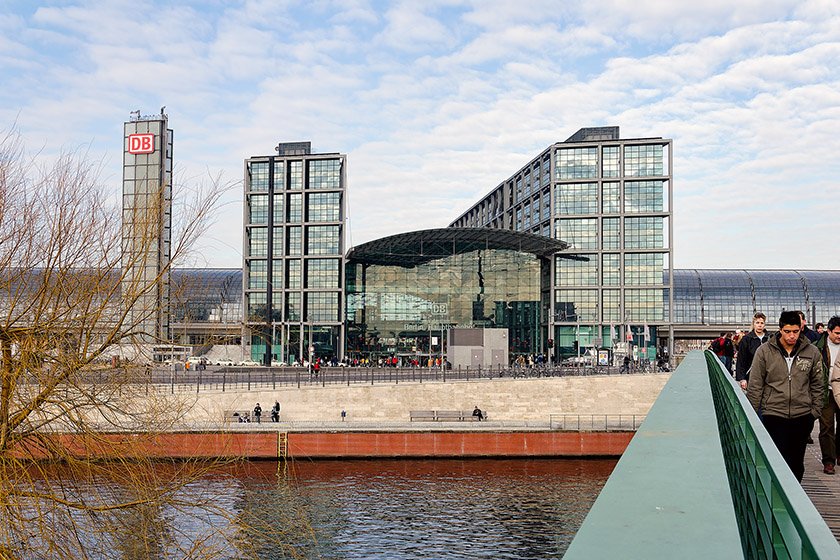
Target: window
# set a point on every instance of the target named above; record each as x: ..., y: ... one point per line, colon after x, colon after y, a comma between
x: 611, y: 234
x: 643, y: 233
x: 296, y: 207
x: 259, y: 176
x: 323, y: 240
x: 643, y: 268
x: 643, y: 161
x: 293, y: 306
x: 610, y: 162
x: 258, y: 242
x: 611, y: 309
x: 322, y: 306
x: 576, y: 163
x: 576, y: 198
x: 577, y: 273
x: 325, y: 174
x: 644, y: 304
x: 582, y: 233
x: 277, y: 275
x: 257, y: 275
x: 322, y: 273
x: 643, y: 196
x: 256, y: 306
x: 257, y: 209
x: 295, y: 175
x: 278, y: 208
x: 611, y: 198
x: 295, y: 241
x: 324, y: 207
x: 277, y: 242
x: 611, y: 269
x: 279, y: 176
x: 571, y: 306
x: 293, y: 274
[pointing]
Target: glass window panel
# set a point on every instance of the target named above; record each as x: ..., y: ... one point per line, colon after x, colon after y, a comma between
x: 322, y: 273
x: 295, y: 241
x: 259, y: 176
x: 325, y: 174
x: 643, y: 268
x: 643, y: 196
x: 611, y: 198
x: 577, y: 273
x: 293, y: 279
x: 257, y: 242
x: 644, y: 233
x: 643, y: 161
x: 582, y: 233
x: 611, y: 269
x: 576, y: 198
x: 611, y: 166
x: 644, y: 304
x: 257, y: 275
x: 257, y: 209
x: 322, y: 306
x: 576, y: 163
x: 295, y: 175
x: 323, y: 240
x: 611, y: 234
x: 574, y: 306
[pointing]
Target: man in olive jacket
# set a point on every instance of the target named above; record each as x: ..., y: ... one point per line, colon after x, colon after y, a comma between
x: 786, y: 387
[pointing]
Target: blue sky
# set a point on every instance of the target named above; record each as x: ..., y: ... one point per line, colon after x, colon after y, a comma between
x: 437, y: 102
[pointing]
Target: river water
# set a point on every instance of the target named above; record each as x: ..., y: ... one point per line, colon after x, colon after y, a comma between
x: 434, y: 509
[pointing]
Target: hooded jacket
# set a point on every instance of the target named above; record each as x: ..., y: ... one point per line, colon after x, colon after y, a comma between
x: 822, y: 346
x: 775, y: 391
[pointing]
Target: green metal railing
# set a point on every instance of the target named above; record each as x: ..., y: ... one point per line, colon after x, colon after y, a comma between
x: 702, y: 479
x: 776, y: 519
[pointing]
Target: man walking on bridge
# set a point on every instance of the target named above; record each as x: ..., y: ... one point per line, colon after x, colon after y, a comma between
x: 786, y: 385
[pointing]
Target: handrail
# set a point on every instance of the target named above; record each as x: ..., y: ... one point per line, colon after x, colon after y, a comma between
x: 702, y: 479
x: 595, y: 422
x: 775, y: 516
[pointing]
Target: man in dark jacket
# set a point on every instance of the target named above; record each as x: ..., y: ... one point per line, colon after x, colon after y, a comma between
x: 808, y: 333
x: 786, y: 386
x: 748, y: 345
x: 829, y: 347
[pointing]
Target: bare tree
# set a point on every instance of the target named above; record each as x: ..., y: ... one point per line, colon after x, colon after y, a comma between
x: 71, y: 484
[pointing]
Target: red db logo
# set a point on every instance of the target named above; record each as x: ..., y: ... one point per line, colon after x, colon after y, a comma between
x: 141, y: 143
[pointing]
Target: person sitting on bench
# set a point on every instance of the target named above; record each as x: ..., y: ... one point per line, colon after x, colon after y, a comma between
x: 477, y: 412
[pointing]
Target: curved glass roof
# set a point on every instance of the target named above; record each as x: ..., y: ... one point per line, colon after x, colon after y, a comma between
x: 417, y: 247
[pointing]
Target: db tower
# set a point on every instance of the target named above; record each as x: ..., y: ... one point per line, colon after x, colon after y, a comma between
x: 147, y: 225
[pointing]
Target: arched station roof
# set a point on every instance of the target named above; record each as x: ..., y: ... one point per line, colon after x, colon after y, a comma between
x: 417, y: 247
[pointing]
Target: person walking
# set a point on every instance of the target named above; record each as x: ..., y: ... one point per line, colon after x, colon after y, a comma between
x: 275, y: 412
x: 786, y: 387
x: 748, y: 345
x: 257, y: 413
x: 829, y: 347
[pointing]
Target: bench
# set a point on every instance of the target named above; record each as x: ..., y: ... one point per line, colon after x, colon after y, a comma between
x: 236, y: 415
x: 422, y: 415
x: 444, y: 415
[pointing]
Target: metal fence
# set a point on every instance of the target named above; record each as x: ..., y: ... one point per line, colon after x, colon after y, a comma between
x: 595, y: 422
x: 776, y: 519
x: 245, y: 378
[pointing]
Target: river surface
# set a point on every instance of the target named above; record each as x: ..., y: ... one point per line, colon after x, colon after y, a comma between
x: 435, y: 509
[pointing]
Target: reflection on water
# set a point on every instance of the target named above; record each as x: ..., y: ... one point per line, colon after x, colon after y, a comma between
x: 366, y: 509
x: 499, y: 509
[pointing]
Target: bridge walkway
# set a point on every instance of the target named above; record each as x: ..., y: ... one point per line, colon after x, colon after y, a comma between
x: 823, y: 489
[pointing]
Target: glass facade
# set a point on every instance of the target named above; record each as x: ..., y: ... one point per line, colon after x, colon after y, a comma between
x: 398, y: 291
x: 294, y: 236
x: 610, y: 198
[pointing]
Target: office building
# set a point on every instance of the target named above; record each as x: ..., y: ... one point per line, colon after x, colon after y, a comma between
x: 294, y: 227
x: 610, y: 198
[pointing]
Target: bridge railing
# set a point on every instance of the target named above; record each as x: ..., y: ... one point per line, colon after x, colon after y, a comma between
x: 701, y: 478
x: 775, y: 516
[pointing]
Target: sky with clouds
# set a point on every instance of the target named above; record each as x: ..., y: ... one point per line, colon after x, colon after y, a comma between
x: 435, y: 102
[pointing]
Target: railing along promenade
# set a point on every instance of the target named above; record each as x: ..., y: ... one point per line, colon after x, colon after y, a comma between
x: 225, y: 378
x: 702, y: 479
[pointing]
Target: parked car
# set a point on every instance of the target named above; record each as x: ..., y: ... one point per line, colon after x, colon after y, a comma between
x: 225, y: 362
x: 250, y: 363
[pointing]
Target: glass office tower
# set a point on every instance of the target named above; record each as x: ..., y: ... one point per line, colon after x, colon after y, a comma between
x: 293, y: 289
x: 147, y: 224
x: 611, y: 199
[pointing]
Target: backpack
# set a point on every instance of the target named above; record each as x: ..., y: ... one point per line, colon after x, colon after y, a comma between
x: 717, y: 346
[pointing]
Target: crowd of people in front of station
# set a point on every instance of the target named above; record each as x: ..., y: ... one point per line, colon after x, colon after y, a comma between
x: 792, y: 379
